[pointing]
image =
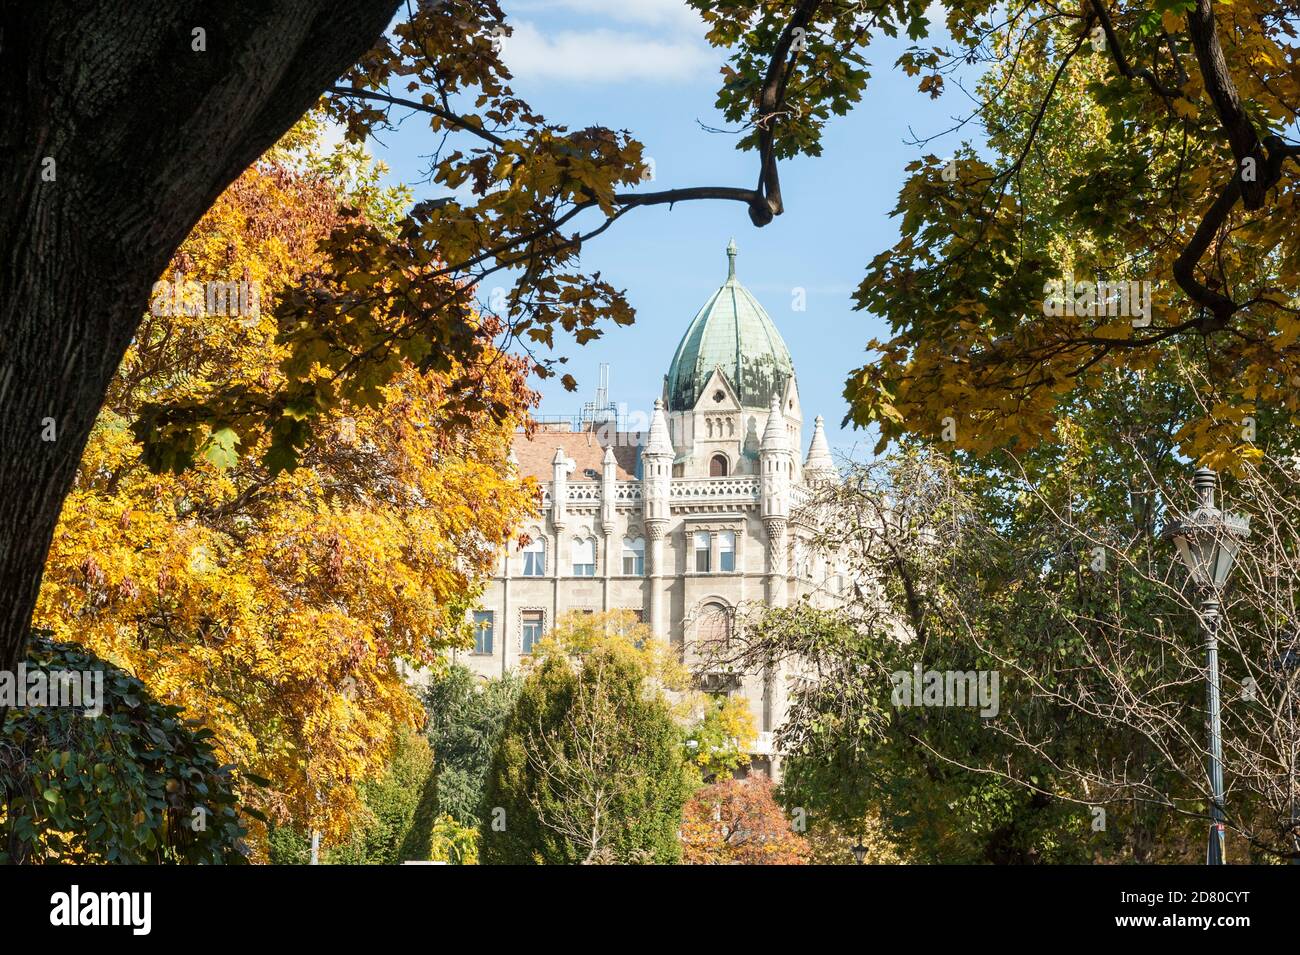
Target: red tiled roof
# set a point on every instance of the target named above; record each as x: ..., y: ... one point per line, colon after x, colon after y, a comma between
x: 587, y: 448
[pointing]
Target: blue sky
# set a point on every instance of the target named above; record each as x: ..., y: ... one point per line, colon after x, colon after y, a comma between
x: 643, y: 65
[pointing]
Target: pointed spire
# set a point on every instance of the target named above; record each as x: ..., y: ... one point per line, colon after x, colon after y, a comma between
x: 609, y: 459
x: 659, y: 442
x: 731, y: 261
x: 562, y: 465
x: 819, y: 459
x: 775, y: 437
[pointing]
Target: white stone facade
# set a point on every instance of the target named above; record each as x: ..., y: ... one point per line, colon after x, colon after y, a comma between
x: 711, y: 497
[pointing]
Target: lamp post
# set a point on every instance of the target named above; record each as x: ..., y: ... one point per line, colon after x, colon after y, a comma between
x: 860, y: 852
x: 1207, y: 541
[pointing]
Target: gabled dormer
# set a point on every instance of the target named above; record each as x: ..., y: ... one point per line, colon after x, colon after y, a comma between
x: 717, y: 412
x: 713, y: 430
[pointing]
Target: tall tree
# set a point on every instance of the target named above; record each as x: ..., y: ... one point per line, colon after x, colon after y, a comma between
x: 278, y: 609
x: 589, y: 769
x: 466, y: 717
x: 121, y: 124
x: 966, y: 570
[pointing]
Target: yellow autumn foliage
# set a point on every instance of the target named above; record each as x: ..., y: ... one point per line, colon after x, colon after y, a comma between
x: 281, y: 611
x: 1171, y: 223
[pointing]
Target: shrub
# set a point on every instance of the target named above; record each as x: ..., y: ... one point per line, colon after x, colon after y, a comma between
x: 136, y: 784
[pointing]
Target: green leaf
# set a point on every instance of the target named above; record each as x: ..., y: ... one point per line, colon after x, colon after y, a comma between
x: 280, y: 456
x: 221, y: 448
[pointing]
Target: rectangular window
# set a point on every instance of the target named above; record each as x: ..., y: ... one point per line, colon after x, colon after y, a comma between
x: 701, y: 552
x: 633, y: 556
x: 727, y: 551
x: 483, y: 631
x: 532, y: 632
x: 584, y: 557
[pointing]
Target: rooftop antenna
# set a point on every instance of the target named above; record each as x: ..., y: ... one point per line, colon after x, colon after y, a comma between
x: 598, y: 412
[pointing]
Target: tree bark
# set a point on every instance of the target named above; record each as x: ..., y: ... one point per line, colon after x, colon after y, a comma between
x: 144, y: 132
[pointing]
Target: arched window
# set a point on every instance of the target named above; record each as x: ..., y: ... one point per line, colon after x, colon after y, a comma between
x: 634, y: 556
x: 718, y: 466
x: 727, y: 551
x: 701, y: 552
x: 715, y: 623
x: 584, y: 557
x: 535, y: 558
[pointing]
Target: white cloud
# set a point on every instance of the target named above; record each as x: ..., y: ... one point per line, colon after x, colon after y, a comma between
x: 606, y: 56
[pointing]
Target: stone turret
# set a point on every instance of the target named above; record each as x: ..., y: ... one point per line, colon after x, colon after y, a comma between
x: 656, y: 484
x: 657, y: 466
x: 561, y: 467
x: 608, y: 490
x: 776, y: 464
x: 818, y: 466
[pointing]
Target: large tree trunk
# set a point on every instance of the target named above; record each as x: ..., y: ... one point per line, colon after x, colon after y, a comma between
x: 144, y: 133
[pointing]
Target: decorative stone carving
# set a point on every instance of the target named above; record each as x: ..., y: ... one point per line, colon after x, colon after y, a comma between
x: 776, y: 545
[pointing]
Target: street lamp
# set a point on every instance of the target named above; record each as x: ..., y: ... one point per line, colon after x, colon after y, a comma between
x: 860, y: 853
x: 1208, y: 541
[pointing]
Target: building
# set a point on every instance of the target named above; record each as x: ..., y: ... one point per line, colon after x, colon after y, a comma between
x: 682, y: 522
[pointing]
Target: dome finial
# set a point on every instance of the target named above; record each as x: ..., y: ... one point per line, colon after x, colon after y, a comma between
x: 731, y: 259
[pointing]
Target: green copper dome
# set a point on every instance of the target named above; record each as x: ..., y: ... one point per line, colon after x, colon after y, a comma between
x: 731, y: 331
